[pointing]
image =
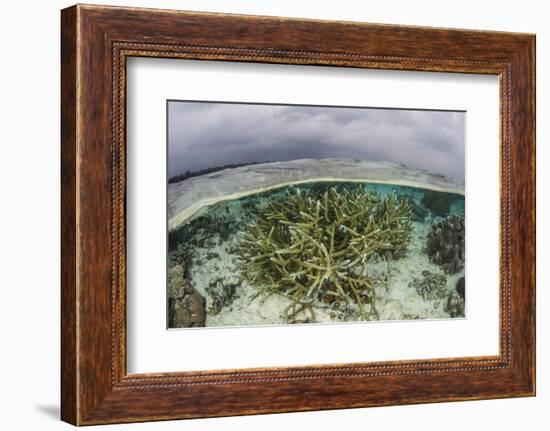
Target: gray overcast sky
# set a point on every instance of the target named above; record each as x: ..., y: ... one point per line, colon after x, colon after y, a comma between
x: 203, y: 135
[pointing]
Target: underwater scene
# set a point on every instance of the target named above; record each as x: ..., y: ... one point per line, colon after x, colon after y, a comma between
x: 320, y: 252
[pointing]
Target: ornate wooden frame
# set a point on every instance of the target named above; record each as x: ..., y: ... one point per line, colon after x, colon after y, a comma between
x: 95, y: 42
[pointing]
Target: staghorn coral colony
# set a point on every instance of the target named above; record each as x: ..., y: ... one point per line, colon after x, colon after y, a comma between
x: 320, y: 252
x: 317, y: 249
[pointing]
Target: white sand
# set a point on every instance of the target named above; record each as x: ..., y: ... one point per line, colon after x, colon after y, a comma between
x: 399, y: 302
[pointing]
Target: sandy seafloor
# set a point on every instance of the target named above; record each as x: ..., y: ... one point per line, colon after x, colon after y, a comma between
x: 398, y: 301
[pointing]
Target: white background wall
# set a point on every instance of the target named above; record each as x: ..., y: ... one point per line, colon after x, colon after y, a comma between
x: 29, y: 225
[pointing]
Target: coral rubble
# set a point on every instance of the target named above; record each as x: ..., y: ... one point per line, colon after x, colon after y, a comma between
x: 186, y: 305
x: 445, y: 244
x: 315, y: 247
x: 432, y: 286
x: 221, y: 294
x: 461, y: 287
x: 200, y: 231
x: 455, y: 305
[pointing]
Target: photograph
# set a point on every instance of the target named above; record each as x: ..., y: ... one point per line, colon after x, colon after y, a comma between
x: 299, y: 214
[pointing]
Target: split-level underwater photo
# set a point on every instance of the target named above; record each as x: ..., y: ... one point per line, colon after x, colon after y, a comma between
x: 298, y: 214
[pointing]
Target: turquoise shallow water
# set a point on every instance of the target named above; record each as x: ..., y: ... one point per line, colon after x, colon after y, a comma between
x: 238, y: 210
x: 204, y: 253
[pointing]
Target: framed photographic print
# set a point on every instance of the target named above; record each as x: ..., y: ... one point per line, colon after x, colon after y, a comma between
x: 265, y: 214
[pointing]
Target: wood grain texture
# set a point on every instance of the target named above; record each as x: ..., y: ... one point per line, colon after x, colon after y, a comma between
x: 69, y: 397
x: 96, y: 41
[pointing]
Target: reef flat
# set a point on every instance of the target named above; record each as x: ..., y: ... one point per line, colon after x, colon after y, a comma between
x: 190, y: 198
x: 320, y: 252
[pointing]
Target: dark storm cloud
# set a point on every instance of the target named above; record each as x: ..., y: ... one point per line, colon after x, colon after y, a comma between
x: 203, y: 135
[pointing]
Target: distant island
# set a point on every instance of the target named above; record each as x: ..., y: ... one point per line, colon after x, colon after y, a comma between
x: 189, y: 174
